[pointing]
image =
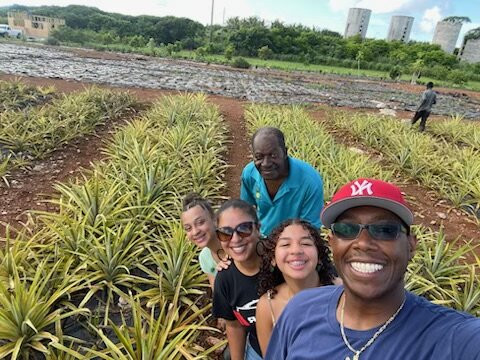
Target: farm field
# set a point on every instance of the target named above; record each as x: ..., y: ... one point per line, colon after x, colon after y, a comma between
x: 258, y: 85
x: 326, y: 69
x: 146, y: 158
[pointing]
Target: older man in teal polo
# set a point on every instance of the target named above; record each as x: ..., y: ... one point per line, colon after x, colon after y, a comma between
x: 279, y: 186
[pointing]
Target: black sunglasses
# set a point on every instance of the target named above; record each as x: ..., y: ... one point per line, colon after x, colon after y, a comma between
x: 243, y: 230
x: 382, y: 231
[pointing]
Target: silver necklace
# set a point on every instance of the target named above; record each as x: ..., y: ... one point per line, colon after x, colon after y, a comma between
x: 356, y: 353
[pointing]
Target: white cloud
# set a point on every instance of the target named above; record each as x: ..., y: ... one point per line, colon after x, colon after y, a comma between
x: 430, y: 18
x: 377, y: 6
x: 383, y: 6
x: 200, y: 10
x: 341, y: 5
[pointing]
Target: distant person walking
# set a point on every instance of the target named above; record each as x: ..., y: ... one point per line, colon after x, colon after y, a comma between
x: 429, y: 97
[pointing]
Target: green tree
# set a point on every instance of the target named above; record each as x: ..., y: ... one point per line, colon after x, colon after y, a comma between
x: 395, y: 73
x: 201, y: 52
x: 457, y: 19
x: 417, y: 68
x: 136, y: 41
x: 151, y: 43
x: 170, y: 48
x: 265, y: 52
x: 360, y: 56
x: 472, y: 34
x: 229, y: 51
x: 458, y: 77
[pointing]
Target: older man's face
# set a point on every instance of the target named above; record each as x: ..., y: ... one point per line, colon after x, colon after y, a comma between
x: 372, y: 269
x: 269, y: 157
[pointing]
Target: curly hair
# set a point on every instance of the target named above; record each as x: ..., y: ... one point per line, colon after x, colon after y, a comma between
x: 269, y: 279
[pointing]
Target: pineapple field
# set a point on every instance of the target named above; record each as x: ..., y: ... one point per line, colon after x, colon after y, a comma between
x: 94, y: 262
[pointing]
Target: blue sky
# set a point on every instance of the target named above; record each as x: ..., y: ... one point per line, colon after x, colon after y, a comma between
x: 329, y: 14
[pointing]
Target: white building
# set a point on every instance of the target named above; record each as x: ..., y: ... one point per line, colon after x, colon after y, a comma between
x: 470, y: 51
x: 446, y: 35
x: 400, y: 28
x: 357, y: 22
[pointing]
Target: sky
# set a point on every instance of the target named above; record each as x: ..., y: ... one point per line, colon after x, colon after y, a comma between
x: 322, y: 14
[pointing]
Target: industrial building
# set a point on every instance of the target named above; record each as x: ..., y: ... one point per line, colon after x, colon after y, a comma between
x: 446, y: 35
x: 400, y: 28
x: 33, y: 25
x: 470, y: 51
x: 357, y: 22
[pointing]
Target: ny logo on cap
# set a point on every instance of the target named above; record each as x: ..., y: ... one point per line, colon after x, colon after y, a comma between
x: 358, y: 189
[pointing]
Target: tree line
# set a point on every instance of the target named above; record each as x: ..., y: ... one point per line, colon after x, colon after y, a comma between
x: 253, y: 37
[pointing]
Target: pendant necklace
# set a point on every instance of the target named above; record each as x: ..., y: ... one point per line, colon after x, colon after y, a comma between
x: 356, y: 353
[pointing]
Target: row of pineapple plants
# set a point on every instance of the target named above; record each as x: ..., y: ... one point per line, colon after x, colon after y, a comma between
x: 439, y: 270
x: 111, y: 274
x: 310, y: 142
x: 457, y: 130
x: 34, y: 132
x: 451, y: 170
x: 16, y: 95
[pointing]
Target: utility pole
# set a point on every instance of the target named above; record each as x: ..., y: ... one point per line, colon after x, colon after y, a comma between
x: 211, y: 23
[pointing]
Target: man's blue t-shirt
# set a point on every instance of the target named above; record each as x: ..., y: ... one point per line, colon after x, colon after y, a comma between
x: 308, y: 329
x: 299, y: 196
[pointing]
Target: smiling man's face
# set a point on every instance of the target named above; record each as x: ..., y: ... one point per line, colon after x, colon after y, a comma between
x: 269, y: 157
x: 372, y: 269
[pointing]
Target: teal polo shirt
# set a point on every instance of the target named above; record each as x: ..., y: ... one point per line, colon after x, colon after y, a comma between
x: 299, y: 196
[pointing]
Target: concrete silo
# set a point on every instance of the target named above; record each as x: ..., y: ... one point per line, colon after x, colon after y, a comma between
x: 357, y: 22
x: 400, y: 28
x: 470, y: 51
x: 446, y: 35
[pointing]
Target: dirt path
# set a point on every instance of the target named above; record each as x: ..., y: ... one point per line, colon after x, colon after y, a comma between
x: 238, y: 150
x: 29, y: 188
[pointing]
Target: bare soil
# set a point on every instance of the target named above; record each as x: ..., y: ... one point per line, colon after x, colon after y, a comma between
x: 424, y: 202
x: 30, y: 188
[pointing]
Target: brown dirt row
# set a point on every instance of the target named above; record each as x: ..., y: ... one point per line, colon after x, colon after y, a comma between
x: 426, y: 204
x: 30, y: 187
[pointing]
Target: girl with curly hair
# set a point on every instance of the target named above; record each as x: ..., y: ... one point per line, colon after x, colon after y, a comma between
x: 294, y: 258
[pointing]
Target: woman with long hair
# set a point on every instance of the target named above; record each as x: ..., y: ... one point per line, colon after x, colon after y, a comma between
x: 236, y: 294
x: 294, y: 258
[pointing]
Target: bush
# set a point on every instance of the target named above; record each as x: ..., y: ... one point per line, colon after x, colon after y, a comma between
x: 438, y: 72
x: 395, y: 73
x: 240, y: 63
x: 265, y: 53
x: 136, y: 41
x: 151, y: 43
x: 201, y: 52
x: 170, y: 49
x: 229, y: 51
x: 52, y: 41
x: 457, y: 77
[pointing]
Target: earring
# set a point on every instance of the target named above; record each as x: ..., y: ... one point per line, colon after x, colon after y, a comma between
x: 272, y: 268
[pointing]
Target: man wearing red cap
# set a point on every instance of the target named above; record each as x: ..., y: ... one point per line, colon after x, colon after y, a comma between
x: 371, y: 316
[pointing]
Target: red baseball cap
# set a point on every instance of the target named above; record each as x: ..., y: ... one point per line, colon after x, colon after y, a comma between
x: 367, y: 192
